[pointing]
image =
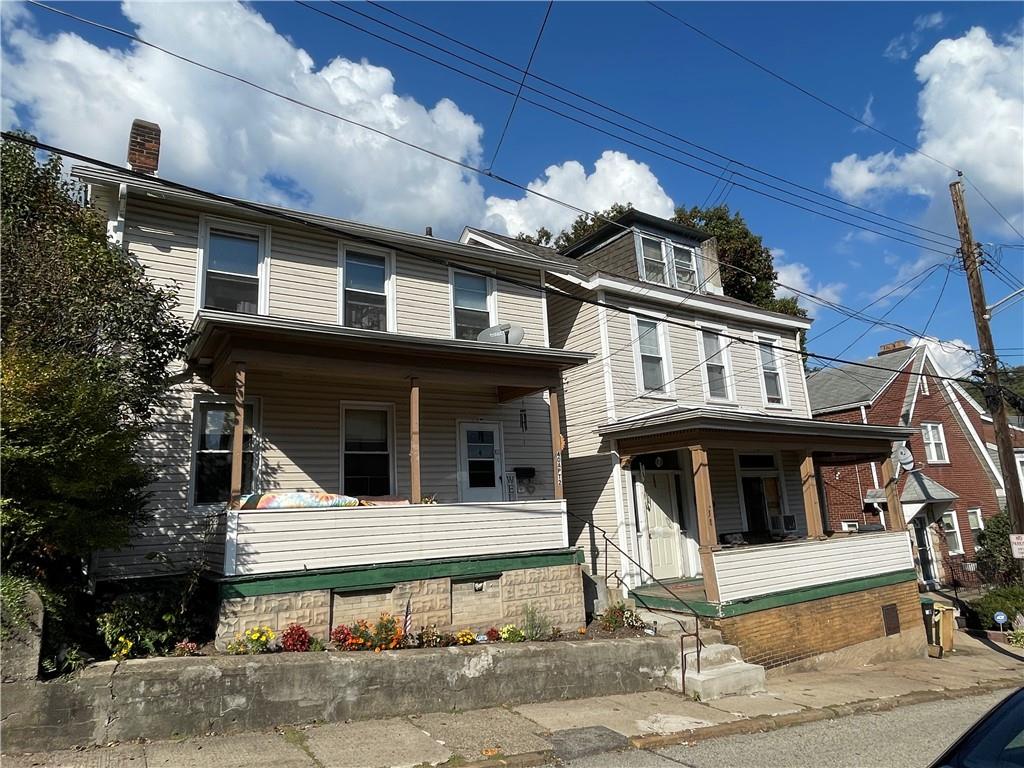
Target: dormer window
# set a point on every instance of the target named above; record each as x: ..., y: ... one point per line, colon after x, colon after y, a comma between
x: 666, y: 263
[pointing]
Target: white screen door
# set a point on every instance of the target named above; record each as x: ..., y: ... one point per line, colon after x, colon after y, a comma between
x: 480, y: 462
x: 661, y: 505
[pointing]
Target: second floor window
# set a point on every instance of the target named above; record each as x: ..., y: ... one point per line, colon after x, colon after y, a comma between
x: 716, y: 365
x: 366, y: 297
x: 934, y: 443
x: 652, y: 359
x: 771, y: 372
x: 232, y: 265
x: 471, y: 311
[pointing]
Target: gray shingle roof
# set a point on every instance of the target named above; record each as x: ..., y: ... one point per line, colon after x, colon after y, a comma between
x: 832, y: 388
x: 920, y: 489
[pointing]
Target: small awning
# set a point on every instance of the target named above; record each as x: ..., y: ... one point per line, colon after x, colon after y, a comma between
x: 284, y: 345
x: 919, y: 489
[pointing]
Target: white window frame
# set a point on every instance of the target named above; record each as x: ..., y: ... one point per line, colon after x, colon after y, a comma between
x: 492, y: 298
x: 775, y: 342
x: 206, y: 223
x: 668, y: 258
x: 664, y: 346
x: 730, y: 385
x: 924, y: 385
x: 257, y: 444
x: 956, y: 528
x: 390, y: 301
x: 778, y: 473
x: 941, y: 441
x: 694, y: 261
x: 981, y: 524
x: 366, y: 405
x: 642, y: 267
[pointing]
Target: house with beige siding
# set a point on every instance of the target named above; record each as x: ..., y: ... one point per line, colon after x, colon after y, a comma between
x: 330, y: 357
x: 691, y: 458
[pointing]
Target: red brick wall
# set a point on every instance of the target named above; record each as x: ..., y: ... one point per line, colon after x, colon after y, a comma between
x: 791, y: 633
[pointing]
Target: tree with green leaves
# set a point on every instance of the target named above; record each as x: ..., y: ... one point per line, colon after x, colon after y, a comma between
x: 581, y: 226
x: 88, y: 344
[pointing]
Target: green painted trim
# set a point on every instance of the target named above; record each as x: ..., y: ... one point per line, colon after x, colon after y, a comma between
x: 387, y: 575
x: 778, y: 599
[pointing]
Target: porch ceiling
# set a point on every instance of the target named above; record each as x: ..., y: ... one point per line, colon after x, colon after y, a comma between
x: 831, y: 442
x: 281, y: 345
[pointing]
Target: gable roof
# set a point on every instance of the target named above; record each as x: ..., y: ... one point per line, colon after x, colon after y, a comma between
x: 847, y: 386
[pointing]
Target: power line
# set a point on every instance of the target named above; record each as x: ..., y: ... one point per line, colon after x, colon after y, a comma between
x: 601, y: 105
x: 519, y: 91
x: 336, y: 230
x: 990, y: 205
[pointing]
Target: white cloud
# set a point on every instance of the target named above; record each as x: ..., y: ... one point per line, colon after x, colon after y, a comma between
x: 868, y: 116
x: 616, y: 179
x: 951, y: 356
x: 971, y: 107
x: 797, y: 275
x: 902, y: 46
x: 229, y: 138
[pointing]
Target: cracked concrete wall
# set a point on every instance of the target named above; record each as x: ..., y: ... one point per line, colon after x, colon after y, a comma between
x: 173, y: 697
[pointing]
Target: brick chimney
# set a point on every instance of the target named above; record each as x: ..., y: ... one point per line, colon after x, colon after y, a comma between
x: 893, y: 346
x: 144, y: 147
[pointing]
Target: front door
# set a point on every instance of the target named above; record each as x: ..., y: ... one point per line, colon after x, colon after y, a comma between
x: 661, y: 505
x: 923, y: 549
x: 480, y: 462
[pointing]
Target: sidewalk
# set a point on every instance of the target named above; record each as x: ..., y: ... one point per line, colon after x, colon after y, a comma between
x: 534, y: 734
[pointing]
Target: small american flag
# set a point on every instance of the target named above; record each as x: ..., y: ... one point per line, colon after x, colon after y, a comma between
x: 407, y: 624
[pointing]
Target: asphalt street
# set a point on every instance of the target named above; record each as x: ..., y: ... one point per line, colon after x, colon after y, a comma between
x: 905, y: 737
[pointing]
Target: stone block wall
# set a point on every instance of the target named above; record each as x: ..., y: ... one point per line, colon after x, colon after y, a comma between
x: 450, y: 604
x: 791, y: 633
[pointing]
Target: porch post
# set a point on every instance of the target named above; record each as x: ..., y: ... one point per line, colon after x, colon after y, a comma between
x: 812, y: 509
x: 707, y: 534
x: 414, y: 441
x: 894, y: 519
x: 238, y: 432
x: 556, y: 442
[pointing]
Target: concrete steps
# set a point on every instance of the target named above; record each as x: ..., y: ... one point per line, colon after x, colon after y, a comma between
x: 727, y: 679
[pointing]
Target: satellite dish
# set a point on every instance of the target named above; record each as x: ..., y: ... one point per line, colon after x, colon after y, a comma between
x: 503, y: 333
x: 905, y: 458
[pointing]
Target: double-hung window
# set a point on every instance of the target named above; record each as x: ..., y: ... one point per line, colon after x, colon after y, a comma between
x: 977, y: 523
x: 716, y: 365
x: 951, y: 530
x: 215, y: 424
x: 685, y: 263
x: 366, y: 450
x: 365, y: 299
x: 934, y: 443
x: 652, y: 253
x: 771, y: 371
x: 471, y: 304
x: 652, y: 368
x: 233, y: 267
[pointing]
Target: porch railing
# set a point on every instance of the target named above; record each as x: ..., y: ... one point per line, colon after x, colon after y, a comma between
x: 684, y: 632
x: 260, y: 541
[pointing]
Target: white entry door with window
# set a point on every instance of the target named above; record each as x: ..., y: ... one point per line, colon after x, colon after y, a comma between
x: 658, y: 494
x: 480, y: 462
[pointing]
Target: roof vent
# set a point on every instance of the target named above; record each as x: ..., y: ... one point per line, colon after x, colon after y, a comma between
x: 893, y: 346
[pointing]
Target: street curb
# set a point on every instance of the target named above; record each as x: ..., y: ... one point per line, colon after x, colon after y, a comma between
x: 765, y: 723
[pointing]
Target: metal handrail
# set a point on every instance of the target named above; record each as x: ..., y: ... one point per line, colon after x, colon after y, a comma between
x: 695, y: 634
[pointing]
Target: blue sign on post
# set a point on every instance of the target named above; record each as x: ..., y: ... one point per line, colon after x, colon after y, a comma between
x: 1000, y: 618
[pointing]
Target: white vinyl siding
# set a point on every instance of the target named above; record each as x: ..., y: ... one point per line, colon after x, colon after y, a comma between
x: 951, y: 530
x: 934, y: 443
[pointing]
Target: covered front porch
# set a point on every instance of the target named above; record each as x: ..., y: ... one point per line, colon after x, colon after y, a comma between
x: 451, y: 448
x: 726, y: 508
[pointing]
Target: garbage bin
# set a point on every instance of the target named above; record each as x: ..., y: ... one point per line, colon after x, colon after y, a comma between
x: 928, y: 614
x: 945, y: 623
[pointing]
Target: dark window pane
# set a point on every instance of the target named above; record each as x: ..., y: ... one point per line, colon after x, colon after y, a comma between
x: 217, y: 423
x: 480, y: 436
x: 364, y: 272
x: 654, y: 378
x: 470, y: 291
x: 231, y: 252
x: 655, y: 271
x: 232, y: 293
x: 481, y: 473
x: 367, y: 474
x: 771, y: 385
x: 470, y: 322
x: 717, y: 385
x: 213, y: 477
x: 477, y: 451
x: 366, y: 310
x: 757, y: 461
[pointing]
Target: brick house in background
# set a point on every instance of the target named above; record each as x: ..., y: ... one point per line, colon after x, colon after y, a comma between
x: 955, y: 484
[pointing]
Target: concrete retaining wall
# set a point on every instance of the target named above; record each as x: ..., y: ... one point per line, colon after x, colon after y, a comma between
x: 169, y: 697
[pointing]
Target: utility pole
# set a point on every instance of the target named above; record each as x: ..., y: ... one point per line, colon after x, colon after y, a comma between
x: 994, y: 400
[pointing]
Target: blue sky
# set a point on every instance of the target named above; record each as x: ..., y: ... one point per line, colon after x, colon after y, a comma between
x: 928, y: 77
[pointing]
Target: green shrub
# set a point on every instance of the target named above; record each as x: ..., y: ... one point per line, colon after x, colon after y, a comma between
x: 995, y: 559
x: 618, y: 616
x: 510, y: 633
x: 536, y: 624
x: 1016, y: 638
x: 1009, y: 600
